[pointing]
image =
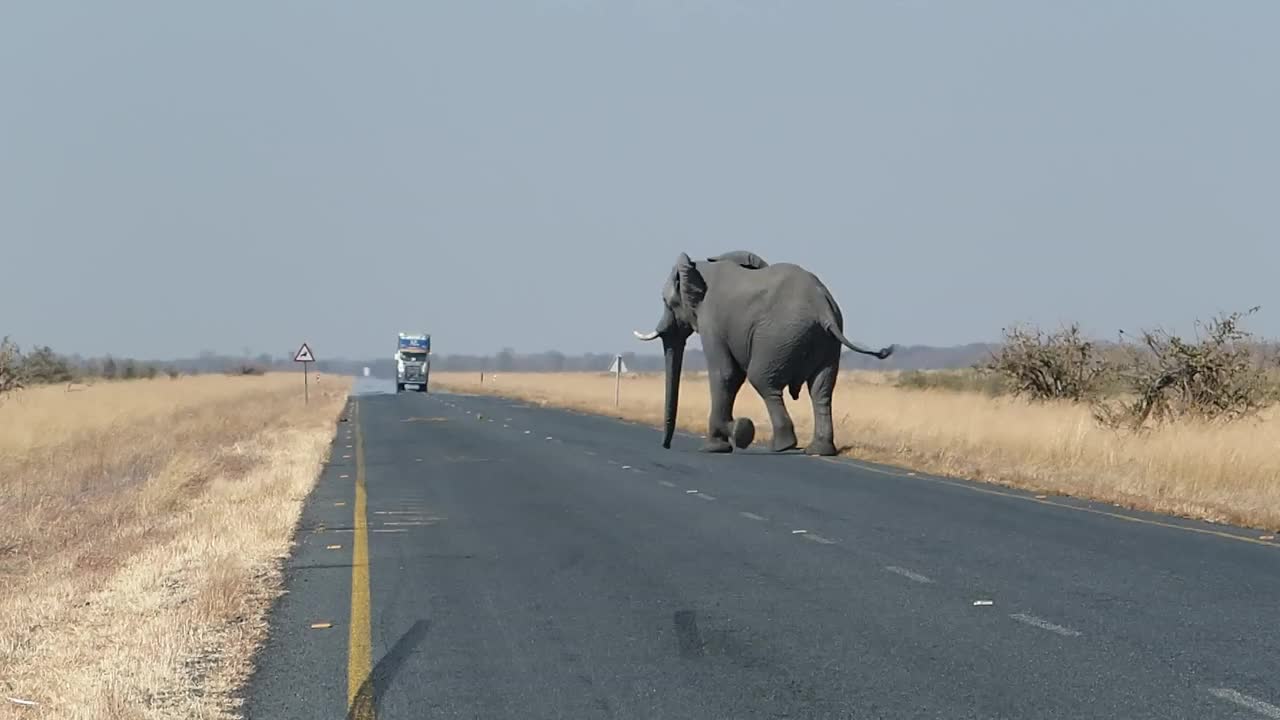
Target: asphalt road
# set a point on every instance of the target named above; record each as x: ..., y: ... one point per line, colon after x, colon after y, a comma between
x: 534, y: 563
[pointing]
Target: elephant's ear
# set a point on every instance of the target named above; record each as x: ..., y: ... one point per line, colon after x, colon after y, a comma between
x: 692, y: 285
x: 744, y: 258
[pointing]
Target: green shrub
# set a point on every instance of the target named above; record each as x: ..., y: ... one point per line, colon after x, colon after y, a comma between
x: 42, y: 365
x: 11, y: 366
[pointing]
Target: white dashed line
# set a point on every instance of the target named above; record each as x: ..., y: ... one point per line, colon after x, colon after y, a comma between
x: 818, y: 539
x: 1265, y: 709
x: 588, y: 452
x: 704, y: 496
x: 528, y: 432
x: 690, y: 492
x: 549, y: 437
x: 1044, y: 624
x: 799, y: 532
x: 626, y: 467
x: 751, y: 516
x: 667, y: 483
x: 908, y: 574
x: 389, y: 530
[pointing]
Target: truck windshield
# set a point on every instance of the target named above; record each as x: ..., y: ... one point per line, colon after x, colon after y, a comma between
x: 413, y: 356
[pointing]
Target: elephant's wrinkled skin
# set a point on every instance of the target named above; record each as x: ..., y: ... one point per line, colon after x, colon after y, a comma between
x: 776, y: 326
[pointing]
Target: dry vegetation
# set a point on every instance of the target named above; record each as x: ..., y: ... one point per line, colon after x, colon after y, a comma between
x: 144, y: 524
x: 958, y: 426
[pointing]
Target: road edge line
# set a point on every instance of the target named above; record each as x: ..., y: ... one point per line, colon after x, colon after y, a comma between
x: 973, y: 486
x: 360, y: 704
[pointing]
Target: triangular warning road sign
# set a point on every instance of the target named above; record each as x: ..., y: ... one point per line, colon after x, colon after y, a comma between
x: 304, y: 354
x: 618, y: 365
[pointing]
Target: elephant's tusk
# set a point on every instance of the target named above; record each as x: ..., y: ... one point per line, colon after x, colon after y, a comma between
x: 645, y: 336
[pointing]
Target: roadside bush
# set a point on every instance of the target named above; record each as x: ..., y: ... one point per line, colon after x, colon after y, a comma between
x: 1221, y: 376
x: 43, y: 365
x: 1060, y: 366
x: 11, y: 366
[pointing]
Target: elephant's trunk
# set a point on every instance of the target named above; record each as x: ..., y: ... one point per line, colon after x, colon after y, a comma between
x: 674, y: 351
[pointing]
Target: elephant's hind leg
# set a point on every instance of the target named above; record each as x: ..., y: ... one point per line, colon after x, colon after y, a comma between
x: 744, y: 432
x: 784, y: 431
x: 821, y: 388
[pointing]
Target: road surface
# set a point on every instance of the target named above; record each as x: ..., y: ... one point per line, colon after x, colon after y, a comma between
x: 474, y: 557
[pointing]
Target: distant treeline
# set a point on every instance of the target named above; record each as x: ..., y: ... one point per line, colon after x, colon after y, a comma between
x: 41, y: 364
x: 918, y: 357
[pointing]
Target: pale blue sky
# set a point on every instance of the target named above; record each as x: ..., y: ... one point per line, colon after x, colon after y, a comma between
x: 180, y: 176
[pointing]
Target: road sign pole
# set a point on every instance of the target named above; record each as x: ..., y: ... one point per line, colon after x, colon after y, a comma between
x: 305, y: 357
x: 617, y: 381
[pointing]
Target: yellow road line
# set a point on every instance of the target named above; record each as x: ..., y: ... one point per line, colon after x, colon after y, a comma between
x: 1065, y: 506
x: 359, y: 642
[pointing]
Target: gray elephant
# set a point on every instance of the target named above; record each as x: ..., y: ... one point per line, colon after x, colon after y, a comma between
x: 776, y: 326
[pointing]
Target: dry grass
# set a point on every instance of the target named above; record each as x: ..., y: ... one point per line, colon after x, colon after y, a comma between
x: 144, y: 525
x: 1222, y: 474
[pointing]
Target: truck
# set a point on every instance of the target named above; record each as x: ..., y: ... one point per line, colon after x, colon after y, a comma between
x: 413, y: 361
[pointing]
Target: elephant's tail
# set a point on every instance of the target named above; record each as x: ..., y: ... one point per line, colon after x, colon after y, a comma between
x: 830, y: 324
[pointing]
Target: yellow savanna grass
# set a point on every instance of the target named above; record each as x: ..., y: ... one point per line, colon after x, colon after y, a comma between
x: 1218, y: 473
x: 144, y: 525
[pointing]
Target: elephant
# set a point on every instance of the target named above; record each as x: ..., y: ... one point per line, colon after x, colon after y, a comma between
x: 777, y: 326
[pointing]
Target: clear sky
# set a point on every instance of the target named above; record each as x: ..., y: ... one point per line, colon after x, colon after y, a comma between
x: 183, y: 176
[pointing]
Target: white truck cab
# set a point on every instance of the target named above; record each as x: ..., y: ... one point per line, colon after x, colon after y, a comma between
x: 413, y: 361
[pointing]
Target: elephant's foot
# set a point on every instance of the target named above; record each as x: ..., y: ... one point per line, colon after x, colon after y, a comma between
x: 744, y: 432
x: 783, y: 440
x: 717, y: 445
x: 821, y: 447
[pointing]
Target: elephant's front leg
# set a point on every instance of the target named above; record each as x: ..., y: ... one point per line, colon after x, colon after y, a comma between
x: 725, y: 384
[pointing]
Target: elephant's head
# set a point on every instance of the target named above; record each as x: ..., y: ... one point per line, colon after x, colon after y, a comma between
x: 681, y: 297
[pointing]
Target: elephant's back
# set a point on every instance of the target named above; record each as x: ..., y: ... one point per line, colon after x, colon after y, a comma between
x: 794, y: 283
x: 791, y: 309
x: 790, y: 272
